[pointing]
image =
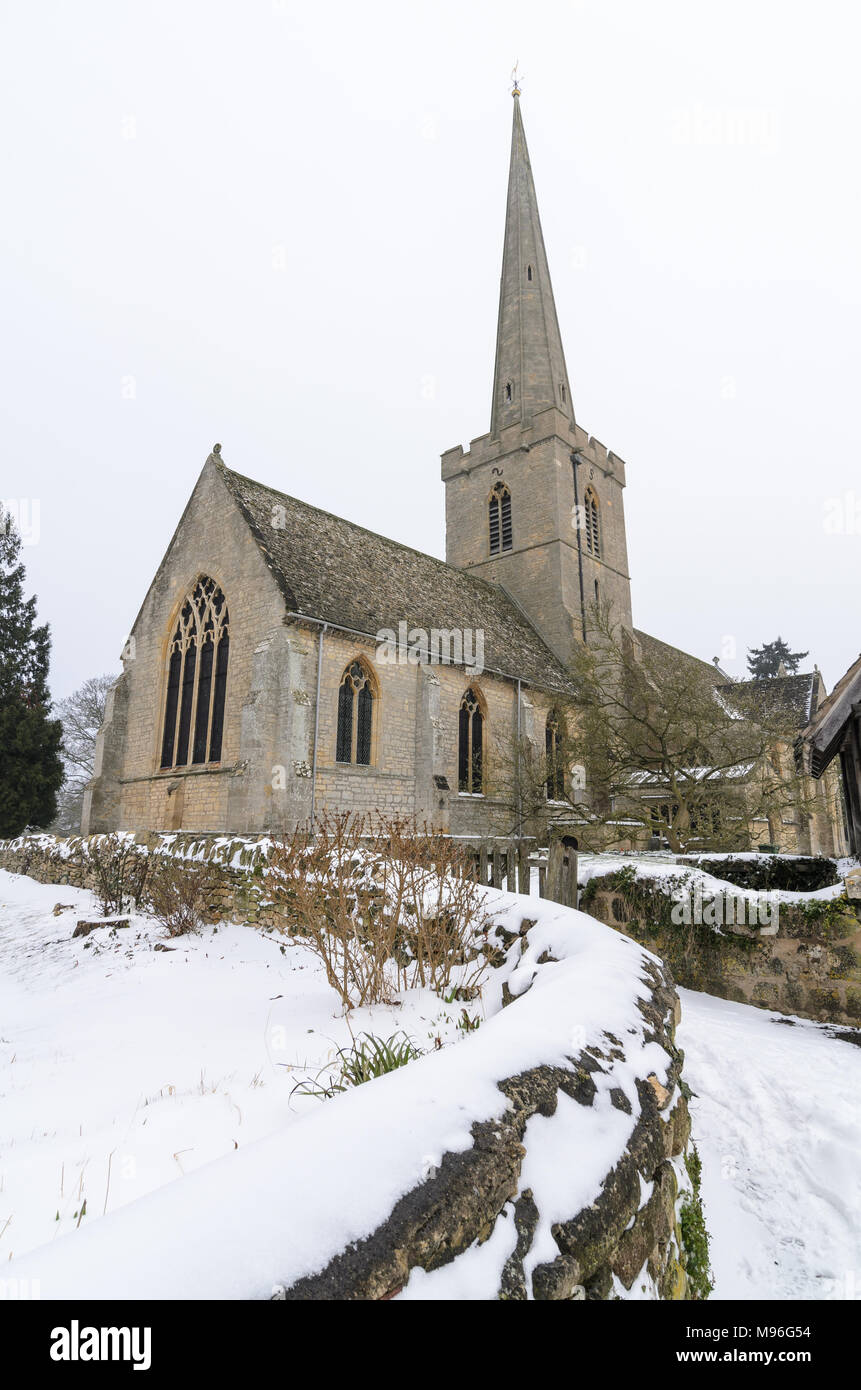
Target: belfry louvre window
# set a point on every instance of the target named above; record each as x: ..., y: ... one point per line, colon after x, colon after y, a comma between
x: 470, y: 745
x: 499, y: 517
x: 592, y: 523
x: 197, y: 679
x: 355, y: 716
x: 553, y: 750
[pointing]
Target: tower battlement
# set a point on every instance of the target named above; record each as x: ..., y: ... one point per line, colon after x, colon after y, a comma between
x: 535, y: 505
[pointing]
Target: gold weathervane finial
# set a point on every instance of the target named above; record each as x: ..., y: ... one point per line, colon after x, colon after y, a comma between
x: 515, y: 81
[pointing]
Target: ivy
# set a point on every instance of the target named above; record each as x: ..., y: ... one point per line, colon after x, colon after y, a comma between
x: 694, y: 1233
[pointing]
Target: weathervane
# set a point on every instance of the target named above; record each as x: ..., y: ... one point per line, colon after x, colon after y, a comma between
x: 515, y: 81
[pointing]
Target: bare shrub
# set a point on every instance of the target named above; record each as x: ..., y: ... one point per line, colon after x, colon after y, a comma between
x: 179, y: 892
x: 384, y: 908
x: 119, y: 869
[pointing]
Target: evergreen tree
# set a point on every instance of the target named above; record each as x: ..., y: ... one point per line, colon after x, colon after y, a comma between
x: 31, y: 769
x: 764, y: 661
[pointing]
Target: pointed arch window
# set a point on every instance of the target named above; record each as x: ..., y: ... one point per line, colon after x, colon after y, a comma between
x: 529, y: 272
x: 355, y: 716
x: 553, y: 752
x: 592, y: 523
x: 499, y: 518
x: 197, y: 679
x: 470, y: 745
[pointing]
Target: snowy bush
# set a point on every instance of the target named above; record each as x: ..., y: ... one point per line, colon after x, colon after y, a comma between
x: 178, y: 893
x: 385, y: 909
x: 118, y: 868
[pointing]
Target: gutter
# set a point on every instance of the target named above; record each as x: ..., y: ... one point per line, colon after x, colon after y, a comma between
x: 325, y: 624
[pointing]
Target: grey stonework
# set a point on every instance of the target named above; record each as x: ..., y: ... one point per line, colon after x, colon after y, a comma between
x: 309, y: 592
x: 533, y: 446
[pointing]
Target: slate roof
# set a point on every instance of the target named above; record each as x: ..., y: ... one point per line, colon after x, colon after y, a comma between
x: 654, y: 647
x: 333, y: 570
x: 792, y: 698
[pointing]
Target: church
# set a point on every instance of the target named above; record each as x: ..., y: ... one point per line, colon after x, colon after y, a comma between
x: 287, y: 662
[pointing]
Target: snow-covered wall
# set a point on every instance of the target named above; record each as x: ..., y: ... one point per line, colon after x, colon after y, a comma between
x: 798, y: 953
x: 572, y: 1178
x: 538, y: 1157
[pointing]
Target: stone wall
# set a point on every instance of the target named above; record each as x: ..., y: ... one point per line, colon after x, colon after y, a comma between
x: 541, y: 570
x: 264, y: 779
x: 616, y: 1240
x: 239, y: 892
x: 631, y: 1231
x: 807, y: 963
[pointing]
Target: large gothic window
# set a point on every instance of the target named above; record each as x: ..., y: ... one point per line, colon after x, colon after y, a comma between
x: 553, y: 753
x: 499, y: 516
x: 470, y: 744
x: 355, y: 715
x: 197, y: 679
x: 592, y: 523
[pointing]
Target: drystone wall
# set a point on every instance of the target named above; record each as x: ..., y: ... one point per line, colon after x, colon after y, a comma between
x: 603, y: 1249
x: 631, y: 1234
x: 801, y: 958
x: 238, y: 891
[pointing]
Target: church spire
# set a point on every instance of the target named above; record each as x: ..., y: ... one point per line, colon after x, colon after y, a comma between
x: 530, y: 372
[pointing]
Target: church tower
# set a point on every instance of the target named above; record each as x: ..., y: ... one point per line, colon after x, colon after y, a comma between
x: 536, y: 505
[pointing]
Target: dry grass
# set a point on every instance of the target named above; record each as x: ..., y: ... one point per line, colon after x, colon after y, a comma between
x: 119, y: 867
x: 385, y: 907
x: 178, y: 893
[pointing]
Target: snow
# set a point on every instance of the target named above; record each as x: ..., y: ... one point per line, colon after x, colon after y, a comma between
x: 157, y: 1085
x: 552, y: 1166
x: 147, y: 1081
x: 671, y: 874
x: 123, y: 1067
x: 777, y: 1121
x: 474, y: 1275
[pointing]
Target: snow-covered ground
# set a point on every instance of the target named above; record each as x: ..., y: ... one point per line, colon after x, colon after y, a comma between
x: 777, y: 1121
x: 131, y: 1077
x: 124, y: 1067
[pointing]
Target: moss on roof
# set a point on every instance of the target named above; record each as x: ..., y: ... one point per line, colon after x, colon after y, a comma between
x: 792, y: 698
x: 335, y: 571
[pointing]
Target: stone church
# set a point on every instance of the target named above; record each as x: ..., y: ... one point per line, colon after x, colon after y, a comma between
x: 286, y: 662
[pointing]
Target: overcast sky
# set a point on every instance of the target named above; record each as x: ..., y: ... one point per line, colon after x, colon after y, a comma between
x: 279, y: 226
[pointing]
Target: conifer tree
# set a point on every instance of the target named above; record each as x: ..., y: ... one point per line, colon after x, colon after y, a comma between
x: 31, y: 769
x: 764, y: 661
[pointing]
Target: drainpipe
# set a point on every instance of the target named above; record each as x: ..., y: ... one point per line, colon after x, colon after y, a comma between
x: 517, y: 771
x: 316, y: 727
x: 575, y: 459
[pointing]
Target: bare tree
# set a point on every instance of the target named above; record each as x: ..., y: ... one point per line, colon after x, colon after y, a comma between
x: 81, y: 715
x: 667, y: 746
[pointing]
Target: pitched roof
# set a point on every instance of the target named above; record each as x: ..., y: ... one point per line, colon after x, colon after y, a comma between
x: 789, y: 698
x: 662, y: 651
x: 335, y: 571
x: 824, y: 732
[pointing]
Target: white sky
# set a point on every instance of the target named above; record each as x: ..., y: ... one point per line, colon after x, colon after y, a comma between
x: 285, y: 221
